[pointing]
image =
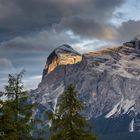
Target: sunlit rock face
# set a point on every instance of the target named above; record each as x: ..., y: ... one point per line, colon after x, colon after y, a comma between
x: 108, y: 82
x: 62, y: 55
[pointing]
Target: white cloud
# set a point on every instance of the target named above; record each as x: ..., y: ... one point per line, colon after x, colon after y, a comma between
x: 127, y: 11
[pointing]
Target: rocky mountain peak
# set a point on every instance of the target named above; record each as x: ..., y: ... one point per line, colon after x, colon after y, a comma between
x: 137, y: 37
x: 62, y: 55
x: 135, y: 43
x: 65, y: 49
x: 108, y: 81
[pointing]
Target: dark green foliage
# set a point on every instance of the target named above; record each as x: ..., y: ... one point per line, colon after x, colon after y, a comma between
x: 67, y: 122
x: 16, y: 112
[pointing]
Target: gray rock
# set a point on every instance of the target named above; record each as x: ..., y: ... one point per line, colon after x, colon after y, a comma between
x: 108, y: 82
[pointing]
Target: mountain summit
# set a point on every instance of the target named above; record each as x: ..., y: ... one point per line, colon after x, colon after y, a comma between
x: 62, y: 55
x: 135, y: 43
x: 108, y: 82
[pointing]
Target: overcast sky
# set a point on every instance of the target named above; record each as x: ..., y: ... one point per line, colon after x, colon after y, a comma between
x: 30, y: 30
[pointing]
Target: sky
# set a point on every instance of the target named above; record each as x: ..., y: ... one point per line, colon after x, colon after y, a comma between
x: 30, y: 30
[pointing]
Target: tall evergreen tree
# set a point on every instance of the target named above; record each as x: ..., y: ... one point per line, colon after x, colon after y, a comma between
x: 67, y: 122
x: 16, y: 122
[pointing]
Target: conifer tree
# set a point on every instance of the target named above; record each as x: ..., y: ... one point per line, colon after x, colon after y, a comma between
x: 67, y: 122
x: 16, y: 122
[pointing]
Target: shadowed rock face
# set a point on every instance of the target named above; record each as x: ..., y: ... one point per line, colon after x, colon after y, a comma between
x: 108, y: 82
x: 134, y: 43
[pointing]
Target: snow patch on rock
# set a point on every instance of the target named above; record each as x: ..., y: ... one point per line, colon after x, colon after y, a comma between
x: 122, y: 107
x: 131, y: 126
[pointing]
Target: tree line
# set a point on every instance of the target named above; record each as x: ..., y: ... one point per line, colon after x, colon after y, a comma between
x: 17, y: 120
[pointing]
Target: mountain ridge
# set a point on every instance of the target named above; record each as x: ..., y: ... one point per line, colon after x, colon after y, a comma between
x: 108, y: 82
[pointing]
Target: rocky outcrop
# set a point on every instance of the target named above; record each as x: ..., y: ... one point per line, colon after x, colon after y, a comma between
x: 135, y: 43
x: 62, y: 55
x: 108, y: 82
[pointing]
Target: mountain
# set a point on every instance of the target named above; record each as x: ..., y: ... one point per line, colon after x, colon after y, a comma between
x: 63, y: 55
x: 108, y: 82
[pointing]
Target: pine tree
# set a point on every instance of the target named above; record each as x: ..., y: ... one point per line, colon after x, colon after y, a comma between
x: 16, y: 122
x: 67, y: 122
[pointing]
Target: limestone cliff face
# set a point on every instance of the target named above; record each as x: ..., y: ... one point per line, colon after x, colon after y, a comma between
x: 108, y: 82
x: 63, y: 55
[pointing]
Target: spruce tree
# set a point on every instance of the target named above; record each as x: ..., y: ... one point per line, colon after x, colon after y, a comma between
x: 16, y: 113
x: 67, y: 122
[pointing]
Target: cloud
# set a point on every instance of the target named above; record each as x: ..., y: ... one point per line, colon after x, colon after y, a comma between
x: 123, y: 13
x: 18, y: 17
x: 87, y: 28
x: 5, y: 64
x: 127, y: 31
x: 42, y: 41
